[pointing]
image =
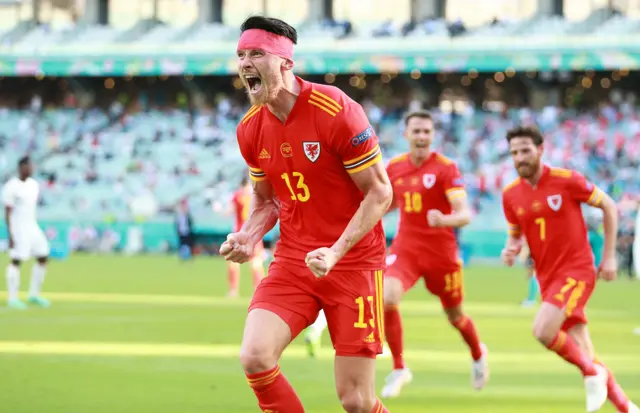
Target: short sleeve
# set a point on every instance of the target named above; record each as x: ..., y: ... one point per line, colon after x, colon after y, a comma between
x: 8, y: 195
x: 354, y: 139
x: 512, y: 220
x: 255, y: 173
x: 584, y: 191
x: 453, y: 183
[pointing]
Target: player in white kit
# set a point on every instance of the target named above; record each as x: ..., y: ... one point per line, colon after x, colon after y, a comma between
x: 26, y: 239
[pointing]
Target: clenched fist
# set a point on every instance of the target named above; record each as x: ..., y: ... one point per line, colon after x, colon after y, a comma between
x: 237, y: 248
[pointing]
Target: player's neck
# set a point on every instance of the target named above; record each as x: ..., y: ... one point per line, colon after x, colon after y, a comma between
x: 419, y: 160
x: 23, y: 178
x: 535, y: 179
x: 282, y: 105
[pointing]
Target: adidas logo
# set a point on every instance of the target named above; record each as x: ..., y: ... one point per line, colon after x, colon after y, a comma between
x: 264, y: 154
x: 370, y: 338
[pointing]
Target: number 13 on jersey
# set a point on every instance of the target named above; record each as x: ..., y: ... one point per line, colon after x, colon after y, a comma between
x: 301, y: 193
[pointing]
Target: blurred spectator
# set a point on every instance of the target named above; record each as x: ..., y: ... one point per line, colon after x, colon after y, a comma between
x: 184, y: 229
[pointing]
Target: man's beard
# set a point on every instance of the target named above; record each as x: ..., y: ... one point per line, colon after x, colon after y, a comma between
x: 527, y: 169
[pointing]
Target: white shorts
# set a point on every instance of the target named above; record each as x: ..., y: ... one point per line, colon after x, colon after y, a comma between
x: 29, y: 243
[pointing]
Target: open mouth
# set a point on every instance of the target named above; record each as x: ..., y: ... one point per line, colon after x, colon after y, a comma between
x: 420, y: 145
x: 254, y: 82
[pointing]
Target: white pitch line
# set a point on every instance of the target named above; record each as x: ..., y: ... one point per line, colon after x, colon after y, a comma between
x: 232, y: 351
x: 413, y: 307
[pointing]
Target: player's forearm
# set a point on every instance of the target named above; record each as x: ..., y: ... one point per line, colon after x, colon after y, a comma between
x: 263, y: 217
x: 392, y: 207
x: 457, y: 219
x: 514, y: 241
x: 610, y: 221
x: 372, y: 208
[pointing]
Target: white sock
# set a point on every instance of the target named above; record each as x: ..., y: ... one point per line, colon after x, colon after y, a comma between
x: 37, y: 278
x: 320, y: 324
x: 13, y: 281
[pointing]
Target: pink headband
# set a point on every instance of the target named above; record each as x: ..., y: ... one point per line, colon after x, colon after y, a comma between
x: 269, y: 42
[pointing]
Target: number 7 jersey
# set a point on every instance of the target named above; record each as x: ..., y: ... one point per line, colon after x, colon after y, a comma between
x: 308, y: 160
x: 550, y: 217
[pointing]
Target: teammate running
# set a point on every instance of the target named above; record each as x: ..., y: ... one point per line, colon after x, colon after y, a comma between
x: 430, y: 194
x: 26, y: 239
x: 543, y: 205
x: 315, y: 163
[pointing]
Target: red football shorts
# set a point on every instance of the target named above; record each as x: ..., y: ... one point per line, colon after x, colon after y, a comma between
x: 351, y: 300
x: 447, y: 284
x: 570, y: 293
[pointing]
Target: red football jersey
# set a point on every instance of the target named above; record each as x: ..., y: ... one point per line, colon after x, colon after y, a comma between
x: 241, y: 202
x: 416, y: 190
x: 550, y: 218
x: 308, y: 160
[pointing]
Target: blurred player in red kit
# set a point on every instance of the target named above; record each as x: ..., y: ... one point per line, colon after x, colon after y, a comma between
x: 543, y: 205
x: 316, y: 166
x: 429, y: 192
x: 241, y: 204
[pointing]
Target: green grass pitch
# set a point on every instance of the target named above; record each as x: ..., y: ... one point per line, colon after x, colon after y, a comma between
x: 152, y: 334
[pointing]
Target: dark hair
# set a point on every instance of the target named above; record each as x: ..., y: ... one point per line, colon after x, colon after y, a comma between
x: 24, y: 160
x: 271, y: 25
x: 420, y: 114
x: 530, y: 132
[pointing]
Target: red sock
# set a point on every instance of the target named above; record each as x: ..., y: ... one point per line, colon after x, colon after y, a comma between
x: 274, y: 392
x: 379, y: 407
x: 566, y: 347
x: 617, y: 397
x: 468, y: 331
x: 393, y: 335
x: 234, y: 277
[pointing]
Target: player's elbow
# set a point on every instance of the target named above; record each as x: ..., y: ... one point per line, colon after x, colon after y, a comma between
x: 383, y: 194
x: 609, y: 206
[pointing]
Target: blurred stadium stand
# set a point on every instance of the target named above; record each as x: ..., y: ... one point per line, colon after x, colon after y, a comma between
x: 127, y: 114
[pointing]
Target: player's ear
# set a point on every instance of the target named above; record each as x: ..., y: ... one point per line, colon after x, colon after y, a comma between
x: 287, y: 64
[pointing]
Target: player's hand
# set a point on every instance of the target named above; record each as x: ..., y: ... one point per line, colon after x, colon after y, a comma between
x: 508, y: 256
x: 435, y: 218
x: 510, y: 253
x: 321, y: 261
x: 11, y: 243
x: 608, y: 269
x: 511, y: 250
x: 237, y: 248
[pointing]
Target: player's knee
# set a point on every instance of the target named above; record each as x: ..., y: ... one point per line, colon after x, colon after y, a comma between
x: 257, y: 266
x: 392, y: 292
x: 256, y: 358
x: 454, y: 315
x: 543, y: 334
x: 355, y: 401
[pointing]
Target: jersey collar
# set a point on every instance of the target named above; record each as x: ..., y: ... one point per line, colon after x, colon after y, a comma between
x: 543, y: 177
x: 305, y: 88
x: 428, y: 160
